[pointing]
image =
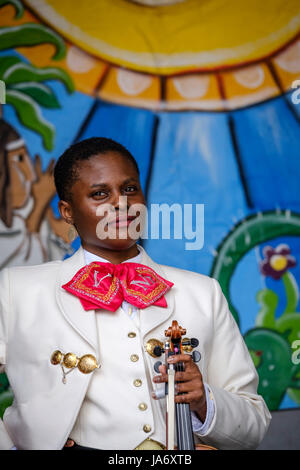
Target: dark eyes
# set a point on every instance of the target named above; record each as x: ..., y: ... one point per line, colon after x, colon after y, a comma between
x: 105, y: 193
x: 130, y: 189
x: 99, y: 194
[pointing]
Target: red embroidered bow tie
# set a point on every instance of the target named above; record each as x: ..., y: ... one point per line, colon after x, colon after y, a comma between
x: 106, y: 285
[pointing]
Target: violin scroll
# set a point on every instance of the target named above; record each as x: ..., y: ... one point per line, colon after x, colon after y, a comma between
x: 175, y: 331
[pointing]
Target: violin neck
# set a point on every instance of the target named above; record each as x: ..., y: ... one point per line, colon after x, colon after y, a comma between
x: 185, y: 437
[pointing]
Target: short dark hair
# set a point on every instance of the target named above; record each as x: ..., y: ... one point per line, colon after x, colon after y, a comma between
x: 65, y: 171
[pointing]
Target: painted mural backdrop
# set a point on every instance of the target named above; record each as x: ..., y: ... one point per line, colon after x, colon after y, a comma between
x: 204, y: 94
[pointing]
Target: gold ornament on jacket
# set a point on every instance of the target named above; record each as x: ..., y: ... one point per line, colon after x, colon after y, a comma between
x: 85, y: 364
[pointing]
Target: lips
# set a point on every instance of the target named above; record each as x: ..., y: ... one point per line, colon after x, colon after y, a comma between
x: 121, y: 221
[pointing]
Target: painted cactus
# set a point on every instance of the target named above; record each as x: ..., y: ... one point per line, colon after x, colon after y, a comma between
x: 278, y: 375
x: 6, y: 394
x: 271, y: 354
x: 276, y: 264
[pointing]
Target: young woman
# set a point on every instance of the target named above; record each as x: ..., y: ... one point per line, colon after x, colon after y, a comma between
x: 74, y: 333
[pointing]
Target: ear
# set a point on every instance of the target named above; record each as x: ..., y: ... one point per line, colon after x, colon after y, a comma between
x: 65, y: 211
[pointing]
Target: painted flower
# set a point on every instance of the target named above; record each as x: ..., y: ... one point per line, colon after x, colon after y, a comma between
x: 277, y: 261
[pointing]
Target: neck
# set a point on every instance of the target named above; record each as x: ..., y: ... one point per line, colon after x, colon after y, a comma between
x: 113, y: 256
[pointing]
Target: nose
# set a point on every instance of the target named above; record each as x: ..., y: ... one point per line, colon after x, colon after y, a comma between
x: 120, y: 202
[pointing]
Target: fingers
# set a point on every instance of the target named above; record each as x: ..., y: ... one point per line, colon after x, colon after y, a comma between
x: 69, y: 443
x: 190, y: 372
x: 162, y: 369
x: 185, y: 358
x: 51, y: 166
x: 190, y: 397
x: 197, y: 402
x: 163, y: 377
x: 38, y: 165
x: 189, y: 385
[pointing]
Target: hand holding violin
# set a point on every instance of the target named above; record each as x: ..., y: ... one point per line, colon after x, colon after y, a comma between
x: 189, y: 384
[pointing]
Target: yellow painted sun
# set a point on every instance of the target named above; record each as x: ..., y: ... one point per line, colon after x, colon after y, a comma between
x: 172, y: 54
x: 171, y: 37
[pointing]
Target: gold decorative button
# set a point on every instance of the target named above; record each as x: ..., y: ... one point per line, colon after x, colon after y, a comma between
x: 134, y: 357
x: 87, y: 363
x: 151, y: 344
x: 70, y: 360
x: 187, y: 348
x: 147, y: 428
x: 137, y: 382
x: 56, y: 357
x: 143, y: 406
x: 131, y: 334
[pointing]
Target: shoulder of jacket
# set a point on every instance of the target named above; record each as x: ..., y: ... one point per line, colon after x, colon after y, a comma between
x: 32, y: 271
x: 188, y: 276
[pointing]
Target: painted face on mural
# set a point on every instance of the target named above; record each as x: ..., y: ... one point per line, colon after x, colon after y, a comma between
x: 104, y: 198
x: 22, y: 175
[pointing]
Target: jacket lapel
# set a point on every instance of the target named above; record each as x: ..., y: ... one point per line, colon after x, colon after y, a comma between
x: 84, y: 322
x: 153, y: 316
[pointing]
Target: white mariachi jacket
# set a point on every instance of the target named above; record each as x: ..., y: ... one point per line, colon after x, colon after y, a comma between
x: 38, y: 317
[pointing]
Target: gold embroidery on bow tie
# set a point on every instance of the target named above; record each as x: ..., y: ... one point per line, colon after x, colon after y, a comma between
x: 85, y: 364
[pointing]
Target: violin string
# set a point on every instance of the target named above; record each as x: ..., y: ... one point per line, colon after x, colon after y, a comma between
x: 183, y: 418
x: 185, y: 408
x: 179, y: 417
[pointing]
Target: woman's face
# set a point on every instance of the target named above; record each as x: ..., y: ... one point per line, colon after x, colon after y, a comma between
x: 107, y: 187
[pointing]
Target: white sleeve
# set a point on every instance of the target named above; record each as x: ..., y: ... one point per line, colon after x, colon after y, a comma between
x: 198, y: 426
x: 4, y: 302
x: 241, y: 416
x: 5, y: 441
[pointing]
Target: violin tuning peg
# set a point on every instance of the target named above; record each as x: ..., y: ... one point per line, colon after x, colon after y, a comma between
x: 196, y: 356
x: 156, y: 366
x: 157, y: 351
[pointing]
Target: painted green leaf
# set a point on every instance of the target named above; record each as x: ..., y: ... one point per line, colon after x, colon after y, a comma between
x: 268, y: 300
x: 275, y: 368
x: 31, y: 34
x: 289, y: 325
x: 4, y: 384
x: 6, y: 399
x: 29, y: 114
x: 291, y: 292
x: 17, y: 4
x: 41, y: 93
x: 7, y: 62
x: 22, y: 72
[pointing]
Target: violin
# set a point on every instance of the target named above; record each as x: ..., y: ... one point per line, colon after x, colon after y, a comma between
x: 178, y: 415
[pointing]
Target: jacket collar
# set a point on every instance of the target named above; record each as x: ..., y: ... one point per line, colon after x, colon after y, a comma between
x: 84, y: 322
